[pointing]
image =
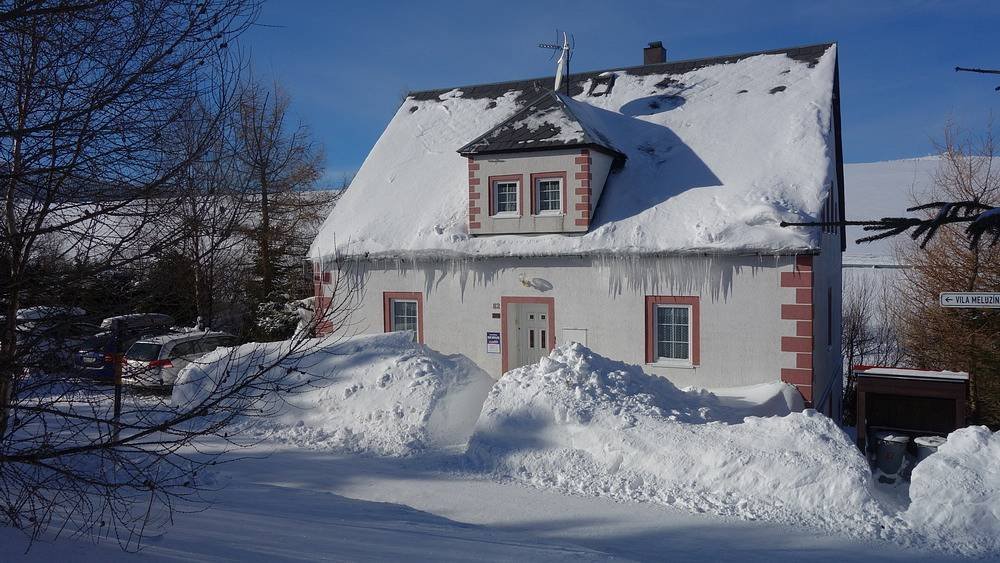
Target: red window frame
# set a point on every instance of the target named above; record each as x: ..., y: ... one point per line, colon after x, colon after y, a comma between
x: 561, y: 175
x: 519, y: 178
x: 692, y: 301
x: 389, y: 296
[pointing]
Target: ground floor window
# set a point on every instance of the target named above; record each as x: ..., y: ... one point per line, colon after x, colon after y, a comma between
x: 404, y: 311
x: 673, y: 334
x: 673, y: 330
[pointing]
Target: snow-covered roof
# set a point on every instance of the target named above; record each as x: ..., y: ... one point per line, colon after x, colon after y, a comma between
x: 548, y: 122
x: 719, y: 151
x: 906, y: 373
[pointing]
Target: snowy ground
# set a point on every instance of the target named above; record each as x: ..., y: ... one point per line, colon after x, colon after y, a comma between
x: 577, y: 457
x: 292, y: 504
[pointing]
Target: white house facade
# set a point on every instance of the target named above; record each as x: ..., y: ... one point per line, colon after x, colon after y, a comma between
x: 638, y: 212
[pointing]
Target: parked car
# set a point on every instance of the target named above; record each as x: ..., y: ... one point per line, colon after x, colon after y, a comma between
x: 95, y: 357
x: 48, y: 335
x: 154, y: 363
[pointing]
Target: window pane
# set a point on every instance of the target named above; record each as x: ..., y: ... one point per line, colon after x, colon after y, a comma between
x: 664, y: 350
x: 404, y: 315
x: 506, y: 198
x: 672, y: 332
x: 680, y: 351
x: 549, y: 195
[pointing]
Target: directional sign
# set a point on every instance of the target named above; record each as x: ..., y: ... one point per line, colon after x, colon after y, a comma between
x: 971, y: 300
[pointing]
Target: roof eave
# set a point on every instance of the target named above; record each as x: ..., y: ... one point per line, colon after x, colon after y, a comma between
x: 618, y: 156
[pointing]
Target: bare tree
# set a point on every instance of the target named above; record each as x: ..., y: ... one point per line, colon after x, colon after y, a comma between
x: 69, y: 463
x: 212, y: 211
x: 870, y: 330
x: 282, y: 164
x: 90, y: 94
x: 964, y: 339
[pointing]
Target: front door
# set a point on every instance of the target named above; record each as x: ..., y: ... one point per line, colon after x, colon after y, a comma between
x: 531, y: 325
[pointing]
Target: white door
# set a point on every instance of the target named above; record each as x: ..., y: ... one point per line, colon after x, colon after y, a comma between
x: 531, y: 323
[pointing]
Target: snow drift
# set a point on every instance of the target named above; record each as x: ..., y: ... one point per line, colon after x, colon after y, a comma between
x: 380, y: 394
x: 955, y: 493
x: 582, y: 423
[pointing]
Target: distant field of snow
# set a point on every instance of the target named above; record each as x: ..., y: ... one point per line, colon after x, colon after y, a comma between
x: 882, y: 189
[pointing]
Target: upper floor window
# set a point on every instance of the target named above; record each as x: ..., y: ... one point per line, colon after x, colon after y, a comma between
x: 505, y: 196
x: 548, y: 195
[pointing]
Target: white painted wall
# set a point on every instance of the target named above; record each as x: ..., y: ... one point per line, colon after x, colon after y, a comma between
x: 827, y: 317
x: 741, y: 300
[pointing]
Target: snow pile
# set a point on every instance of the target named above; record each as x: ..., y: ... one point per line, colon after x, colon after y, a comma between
x: 721, y: 153
x: 380, y: 394
x: 581, y: 423
x: 955, y: 493
x: 764, y: 399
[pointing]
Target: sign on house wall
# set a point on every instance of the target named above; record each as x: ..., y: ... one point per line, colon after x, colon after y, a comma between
x: 492, y: 342
x: 971, y: 300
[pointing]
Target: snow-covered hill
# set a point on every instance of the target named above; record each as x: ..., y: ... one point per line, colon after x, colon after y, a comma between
x: 882, y: 189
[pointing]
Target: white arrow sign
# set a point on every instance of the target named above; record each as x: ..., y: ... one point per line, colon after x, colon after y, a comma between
x: 971, y: 300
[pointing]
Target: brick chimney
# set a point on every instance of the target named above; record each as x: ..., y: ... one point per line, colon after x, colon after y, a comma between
x: 655, y: 53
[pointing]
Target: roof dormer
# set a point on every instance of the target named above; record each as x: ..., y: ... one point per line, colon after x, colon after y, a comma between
x: 540, y: 171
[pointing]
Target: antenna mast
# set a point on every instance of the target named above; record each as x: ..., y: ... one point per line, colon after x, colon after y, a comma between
x: 565, y: 54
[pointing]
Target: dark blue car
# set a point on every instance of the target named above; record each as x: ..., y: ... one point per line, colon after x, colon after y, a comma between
x: 95, y: 358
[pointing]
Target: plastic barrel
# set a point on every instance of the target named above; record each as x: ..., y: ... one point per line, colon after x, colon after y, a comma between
x: 890, y: 451
x: 926, y: 445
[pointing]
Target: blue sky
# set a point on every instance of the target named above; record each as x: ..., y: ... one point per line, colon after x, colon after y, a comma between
x: 348, y: 65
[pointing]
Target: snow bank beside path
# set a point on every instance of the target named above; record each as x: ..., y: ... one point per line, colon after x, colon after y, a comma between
x: 955, y: 493
x: 581, y: 423
x: 380, y: 394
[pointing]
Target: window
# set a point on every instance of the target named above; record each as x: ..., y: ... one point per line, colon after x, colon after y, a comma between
x: 184, y: 349
x: 673, y: 335
x: 549, y: 192
x: 673, y: 330
x: 547, y: 196
x: 404, y: 315
x: 506, y: 197
x: 829, y: 317
x: 404, y: 311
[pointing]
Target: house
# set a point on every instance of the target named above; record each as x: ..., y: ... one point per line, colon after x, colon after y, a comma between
x: 635, y: 210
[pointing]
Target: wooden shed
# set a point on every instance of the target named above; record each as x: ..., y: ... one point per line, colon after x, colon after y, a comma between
x: 911, y: 401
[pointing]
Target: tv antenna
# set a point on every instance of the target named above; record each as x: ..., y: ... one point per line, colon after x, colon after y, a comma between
x: 565, y: 54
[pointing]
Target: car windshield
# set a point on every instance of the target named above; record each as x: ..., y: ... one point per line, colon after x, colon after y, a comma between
x: 143, y: 351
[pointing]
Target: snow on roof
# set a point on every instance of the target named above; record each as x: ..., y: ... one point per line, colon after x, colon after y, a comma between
x: 547, y: 122
x: 719, y: 151
x: 906, y: 373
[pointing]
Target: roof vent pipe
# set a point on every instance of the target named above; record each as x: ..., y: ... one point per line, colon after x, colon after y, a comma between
x: 654, y: 53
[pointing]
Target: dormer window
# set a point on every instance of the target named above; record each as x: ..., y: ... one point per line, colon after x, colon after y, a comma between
x: 505, y: 196
x: 547, y: 190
